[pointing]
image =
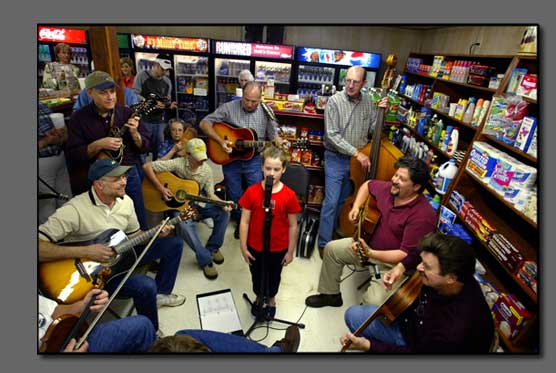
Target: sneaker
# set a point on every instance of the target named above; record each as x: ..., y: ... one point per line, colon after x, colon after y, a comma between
x: 269, y: 312
x: 236, y: 232
x: 290, y: 342
x: 209, y: 223
x: 323, y: 300
x: 217, y: 257
x: 210, y: 272
x: 169, y: 300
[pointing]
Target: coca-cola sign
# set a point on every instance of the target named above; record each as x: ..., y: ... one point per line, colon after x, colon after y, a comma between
x: 65, y: 35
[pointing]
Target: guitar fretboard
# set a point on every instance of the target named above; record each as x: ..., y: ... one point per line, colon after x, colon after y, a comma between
x: 129, y: 244
x: 252, y: 143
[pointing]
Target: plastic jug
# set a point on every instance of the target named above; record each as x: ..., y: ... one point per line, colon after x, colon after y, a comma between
x: 445, y: 175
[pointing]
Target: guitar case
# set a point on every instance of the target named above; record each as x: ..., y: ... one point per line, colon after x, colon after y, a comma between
x: 308, y: 232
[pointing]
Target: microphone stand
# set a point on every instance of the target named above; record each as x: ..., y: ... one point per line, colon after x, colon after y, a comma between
x: 54, y: 191
x: 265, y: 278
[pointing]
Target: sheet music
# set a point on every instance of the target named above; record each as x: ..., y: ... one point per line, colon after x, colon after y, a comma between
x: 218, y: 312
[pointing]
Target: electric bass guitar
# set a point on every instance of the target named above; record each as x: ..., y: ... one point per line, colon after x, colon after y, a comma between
x: 183, y: 190
x: 140, y: 109
x: 69, y: 280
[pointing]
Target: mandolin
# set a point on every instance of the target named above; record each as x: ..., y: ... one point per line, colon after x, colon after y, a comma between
x: 183, y: 190
x: 394, y: 305
x: 139, y: 110
x: 69, y: 280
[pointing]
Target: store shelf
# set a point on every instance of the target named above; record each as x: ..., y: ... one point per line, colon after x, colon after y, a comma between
x: 529, y: 100
x: 512, y: 149
x: 501, y: 199
x: 195, y: 75
x: 442, y: 114
x: 428, y: 142
x: 275, y: 82
x: 315, y: 81
x: 517, y: 280
x: 471, y: 86
x: 299, y: 114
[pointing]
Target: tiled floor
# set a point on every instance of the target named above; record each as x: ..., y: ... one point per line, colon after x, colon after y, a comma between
x: 323, y: 326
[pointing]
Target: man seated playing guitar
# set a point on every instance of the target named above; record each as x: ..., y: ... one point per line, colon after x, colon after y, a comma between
x: 450, y: 315
x: 130, y: 334
x: 90, y: 136
x: 406, y: 217
x: 106, y: 206
x: 245, y: 113
x: 193, y: 166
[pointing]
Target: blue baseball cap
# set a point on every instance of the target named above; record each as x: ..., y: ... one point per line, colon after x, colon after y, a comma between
x: 106, y: 167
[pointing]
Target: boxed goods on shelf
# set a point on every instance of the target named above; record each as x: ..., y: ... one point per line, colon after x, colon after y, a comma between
x: 490, y: 292
x: 528, y: 274
x: 510, y: 315
x: 528, y: 86
x: 506, y: 253
x: 482, y: 159
x: 515, y: 79
x: 525, y: 133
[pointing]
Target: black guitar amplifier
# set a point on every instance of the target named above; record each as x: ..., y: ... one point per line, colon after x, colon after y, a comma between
x: 308, y: 232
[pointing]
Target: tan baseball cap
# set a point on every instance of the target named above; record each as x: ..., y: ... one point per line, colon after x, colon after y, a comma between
x: 197, y: 148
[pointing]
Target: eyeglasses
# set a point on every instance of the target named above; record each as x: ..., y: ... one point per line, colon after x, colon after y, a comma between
x: 354, y: 82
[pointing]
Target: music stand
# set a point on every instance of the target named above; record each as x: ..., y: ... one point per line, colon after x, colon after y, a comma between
x: 264, y: 263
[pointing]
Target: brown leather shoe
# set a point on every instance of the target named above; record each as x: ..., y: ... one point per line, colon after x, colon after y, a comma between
x: 290, y: 342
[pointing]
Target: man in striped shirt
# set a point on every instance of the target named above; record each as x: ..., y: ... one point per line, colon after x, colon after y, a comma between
x: 245, y: 113
x: 348, y: 117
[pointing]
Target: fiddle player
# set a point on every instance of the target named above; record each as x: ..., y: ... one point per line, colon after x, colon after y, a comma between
x: 348, y: 117
x: 106, y: 206
x: 405, y: 218
x: 450, y: 314
x: 130, y: 334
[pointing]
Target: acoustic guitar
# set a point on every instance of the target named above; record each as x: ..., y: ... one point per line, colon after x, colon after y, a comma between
x: 183, y: 190
x: 69, y: 280
x: 243, y: 143
x: 394, y: 305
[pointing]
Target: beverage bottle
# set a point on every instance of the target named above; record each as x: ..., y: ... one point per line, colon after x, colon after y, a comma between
x: 484, y: 110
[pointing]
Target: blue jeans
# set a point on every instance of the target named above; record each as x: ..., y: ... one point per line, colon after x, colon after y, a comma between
x: 251, y: 169
x: 337, y: 187
x: 143, y: 289
x: 130, y: 334
x: 357, y: 315
x: 156, y: 135
x: 134, y: 191
x: 223, y: 342
x: 186, y: 230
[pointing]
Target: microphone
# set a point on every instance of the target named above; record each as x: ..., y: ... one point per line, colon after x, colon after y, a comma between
x: 53, y: 195
x: 267, y: 191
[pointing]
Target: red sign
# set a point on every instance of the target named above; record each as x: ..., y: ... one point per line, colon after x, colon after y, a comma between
x: 169, y: 42
x: 253, y: 50
x: 62, y: 35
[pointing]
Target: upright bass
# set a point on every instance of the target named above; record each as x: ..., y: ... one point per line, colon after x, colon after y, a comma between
x: 383, y: 155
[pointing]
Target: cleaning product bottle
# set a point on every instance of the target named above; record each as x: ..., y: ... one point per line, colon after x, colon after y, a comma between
x: 437, y: 132
x: 435, y: 202
x: 477, y: 112
x: 446, y: 140
x: 486, y: 106
x: 432, y: 125
x: 462, y: 105
x: 453, y: 144
x: 468, y: 116
x: 445, y: 175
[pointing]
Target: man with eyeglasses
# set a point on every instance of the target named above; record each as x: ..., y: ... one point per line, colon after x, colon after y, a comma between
x: 348, y: 119
x: 450, y: 314
x: 106, y: 206
x: 245, y: 113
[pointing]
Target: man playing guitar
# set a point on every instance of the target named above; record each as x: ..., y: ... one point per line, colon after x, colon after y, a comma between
x: 450, y: 314
x: 193, y: 166
x: 245, y: 113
